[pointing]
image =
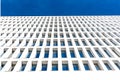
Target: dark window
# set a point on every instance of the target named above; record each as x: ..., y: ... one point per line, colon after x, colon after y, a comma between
x: 55, y: 53
x: 72, y: 54
x: 37, y: 54
x: 86, y: 66
x: 106, y: 51
x: 98, y: 52
x: 44, y: 67
x: 107, y: 66
x: 65, y: 67
x: 97, y: 66
x: 29, y: 53
x: 33, y: 67
x: 81, y: 54
x: 69, y: 43
x: 63, y: 53
x: 77, y: 43
x: 90, y: 53
x: 23, y: 67
x: 46, y: 54
x: 75, y: 66
x: 54, y: 67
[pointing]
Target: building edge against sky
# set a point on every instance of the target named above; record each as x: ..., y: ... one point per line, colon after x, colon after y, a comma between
x: 60, y: 47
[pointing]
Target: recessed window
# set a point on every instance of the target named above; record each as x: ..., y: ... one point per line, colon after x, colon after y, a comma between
x: 23, y: 66
x: 46, y: 55
x: 81, y: 53
x: 86, y: 66
x: 90, y: 53
x: 75, y: 66
x: 107, y: 66
x: 41, y: 43
x: 63, y: 53
x: 97, y: 65
x: 48, y: 43
x: 107, y: 52
x: 65, y: 66
x: 117, y: 63
x: 62, y: 43
x: 34, y: 64
x: 44, y: 66
x: 98, y: 53
x: 55, y: 43
x: 29, y: 54
x: 55, y: 54
x: 69, y: 43
x: 72, y: 53
x: 84, y: 43
x: 54, y: 66
x: 37, y: 54
x: 3, y: 63
x: 21, y: 51
x: 77, y: 43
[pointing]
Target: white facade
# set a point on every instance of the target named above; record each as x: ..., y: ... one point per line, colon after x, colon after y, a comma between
x: 70, y: 46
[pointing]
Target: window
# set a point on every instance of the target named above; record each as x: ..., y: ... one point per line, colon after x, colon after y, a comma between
x: 54, y: 67
x: 46, y: 55
x: 37, y: 54
x: 72, y: 53
x: 55, y: 54
x: 3, y: 64
x: 21, y: 51
x: 107, y: 52
x: 90, y: 53
x: 23, y: 67
x: 84, y: 43
x: 69, y: 43
x: 98, y: 42
x: 29, y: 53
x: 106, y: 42
x: 13, y: 65
x: 118, y: 65
x: 65, y: 67
x: 75, y: 65
x: 91, y: 43
x: 98, y: 53
x: 113, y: 42
x: 67, y: 35
x: 86, y: 66
x: 44, y: 66
x: 33, y: 43
x: 116, y: 52
x: 77, y: 43
x: 61, y: 35
x: 41, y: 43
x: 97, y: 66
x: 26, y: 43
x: 63, y: 53
x: 62, y: 43
x: 55, y: 43
x: 33, y: 66
x: 81, y: 53
x: 108, y: 66
x: 55, y: 35
x: 48, y: 43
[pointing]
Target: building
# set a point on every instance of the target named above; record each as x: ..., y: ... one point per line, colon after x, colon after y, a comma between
x: 61, y: 47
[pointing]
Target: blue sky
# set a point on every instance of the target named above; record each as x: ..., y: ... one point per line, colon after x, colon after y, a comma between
x: 59, y: 7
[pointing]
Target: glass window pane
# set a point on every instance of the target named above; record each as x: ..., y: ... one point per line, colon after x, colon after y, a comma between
x: 54, y: 67
x: 44, y: 67
x: 86, y: 66
x: 81, y: 54
x: 75, y: 66
x: 65, y: 67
